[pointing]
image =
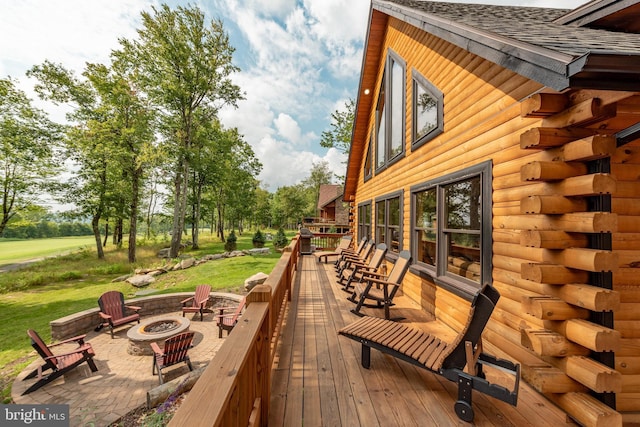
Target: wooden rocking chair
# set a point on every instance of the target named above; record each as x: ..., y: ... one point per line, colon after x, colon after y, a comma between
x: 228, y: 321
x: 348, y: 259
x: 198, y: 301
x: 174, y: 352
x: 357, y: 269
x: 460, y: 361
x: 113, y: 311
x: 59, y: 364
x: 375, y: 286
x: 344, y: 244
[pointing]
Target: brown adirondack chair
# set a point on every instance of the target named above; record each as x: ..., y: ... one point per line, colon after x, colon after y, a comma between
x: 59, y: 364
x: 227, y: 321
x: 198, y: 301
x: 355, y: 272
x: 380, y: 289
x: 113, y: 311
x: 344, y: 244
x: 350, y: 252
x: 174, y: 351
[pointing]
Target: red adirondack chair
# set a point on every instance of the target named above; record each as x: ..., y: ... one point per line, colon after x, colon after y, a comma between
x: 198, y: 301
x: 59, y: 364
x: 228, y: 321
x: 174, y: 351
x: 113, y: 311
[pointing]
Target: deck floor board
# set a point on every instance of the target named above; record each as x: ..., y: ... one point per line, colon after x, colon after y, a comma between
x: 318, y: 380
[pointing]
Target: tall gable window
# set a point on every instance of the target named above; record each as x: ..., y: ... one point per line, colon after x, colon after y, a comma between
x: 389, y: 221
x: 390, y: 113
x: 451, y: 222
x: 364, y: 220
x: 428, y: 106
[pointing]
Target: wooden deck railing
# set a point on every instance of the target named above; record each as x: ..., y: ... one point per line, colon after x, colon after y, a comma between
x: 235, y: 389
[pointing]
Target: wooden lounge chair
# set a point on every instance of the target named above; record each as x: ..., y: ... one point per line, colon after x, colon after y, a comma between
x: 460, y: 361
x: 344, y: 244
x: 375, y: 286
x: 348, y: 258
x: 357, y: 269
x: 198, y: 301
x: 59, y: 364
x: 227, y: 321
x: 174, y: 351
x: 113, y: 311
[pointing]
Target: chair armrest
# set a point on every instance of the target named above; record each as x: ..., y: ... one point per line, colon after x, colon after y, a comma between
x: 187, y: 300
x: 156, y: 349
x: 104, y: 316
x: 134, y: 308
x: 220, y: 316
x: 79, y: 339
x: 373, y: 274
x: 203, y: 302
x: 82, y: 349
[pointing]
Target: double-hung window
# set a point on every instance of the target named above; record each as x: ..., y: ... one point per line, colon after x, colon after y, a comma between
x: 389, y: 221
x: 451, y: 229
x: 390, y: 113
x: 364, y: 220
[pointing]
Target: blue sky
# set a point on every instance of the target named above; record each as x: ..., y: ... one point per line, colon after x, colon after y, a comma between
x: 300, y: 61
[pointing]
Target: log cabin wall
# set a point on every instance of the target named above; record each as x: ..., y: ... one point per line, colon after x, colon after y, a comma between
x: 562, y: 191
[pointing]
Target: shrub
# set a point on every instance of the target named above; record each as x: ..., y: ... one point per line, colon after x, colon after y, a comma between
x: 259, y: 239
x: 280, y: 241
x: 230, y: 245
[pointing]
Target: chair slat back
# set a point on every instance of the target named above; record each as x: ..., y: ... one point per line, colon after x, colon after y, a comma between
x: 112, y: 304
x: 176, y: 347
x: 40, y: 346
x: 400, y: 267
x: 378, y: 256
x: 481, y: 309
x: 345, y: 242
x: 202, y: 293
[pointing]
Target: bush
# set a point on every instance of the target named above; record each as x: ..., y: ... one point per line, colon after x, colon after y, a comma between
x: 280, y: 241
x: 230, y: 245
x: 259, y: 239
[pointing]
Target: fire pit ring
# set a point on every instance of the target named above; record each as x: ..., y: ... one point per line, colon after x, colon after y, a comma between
x: 154, y: 330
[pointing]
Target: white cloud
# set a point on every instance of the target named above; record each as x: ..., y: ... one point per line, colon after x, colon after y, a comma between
x: 288, y: 128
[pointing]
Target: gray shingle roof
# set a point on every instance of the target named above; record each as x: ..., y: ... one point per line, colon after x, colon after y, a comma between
x: 526, y: 33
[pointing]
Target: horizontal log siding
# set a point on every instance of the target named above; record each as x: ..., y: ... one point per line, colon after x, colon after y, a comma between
x: 482, y: 121
x: 626, y: 203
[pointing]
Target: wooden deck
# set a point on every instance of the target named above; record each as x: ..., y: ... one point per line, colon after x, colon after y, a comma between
x: 318, y: 381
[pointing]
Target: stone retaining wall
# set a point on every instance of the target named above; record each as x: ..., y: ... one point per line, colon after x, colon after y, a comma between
x: 84, y: 321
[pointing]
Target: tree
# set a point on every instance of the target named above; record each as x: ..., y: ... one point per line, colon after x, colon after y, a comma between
x: 320, y: 174
x: 339, y: 136
x: 27, y: 142
x: 183, y: 65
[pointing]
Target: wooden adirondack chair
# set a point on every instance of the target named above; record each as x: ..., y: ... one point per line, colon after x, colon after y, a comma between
x: 356, y: 270
x: 59, y: 364
x: 380, y: 289
x: 113, y: 311
x: 174, y: 351
x: 198, y: 301
x: 227, y: 321
x: 344, y: 244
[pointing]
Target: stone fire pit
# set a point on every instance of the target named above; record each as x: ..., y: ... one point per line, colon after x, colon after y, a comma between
x: 154, y: 330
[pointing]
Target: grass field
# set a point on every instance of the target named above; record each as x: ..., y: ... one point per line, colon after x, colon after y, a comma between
x: 43, y: 291
x: 12, y: 251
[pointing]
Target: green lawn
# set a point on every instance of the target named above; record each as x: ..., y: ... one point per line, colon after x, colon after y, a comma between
x: 33, y: 296
x: 12, y: 251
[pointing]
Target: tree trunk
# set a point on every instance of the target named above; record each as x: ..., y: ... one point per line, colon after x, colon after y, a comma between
x: 220, y: 222
x: 195, y: 227
x: 106, y: 233
x: 95, y: 226
x: 119, y: 232
x: 180, y: 206
x: 133, y: 219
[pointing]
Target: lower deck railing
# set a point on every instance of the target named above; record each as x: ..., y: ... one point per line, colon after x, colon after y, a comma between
x: 235, y: 389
